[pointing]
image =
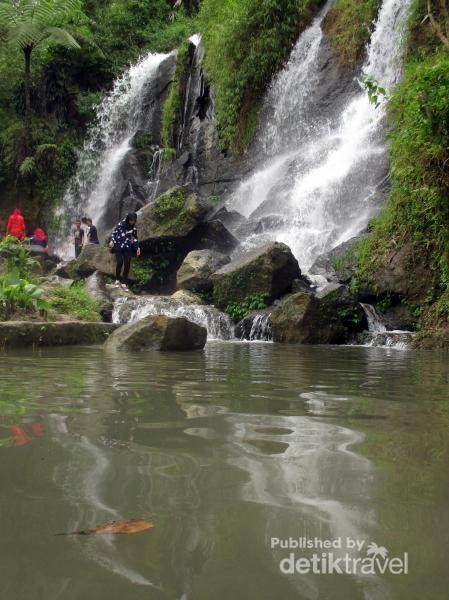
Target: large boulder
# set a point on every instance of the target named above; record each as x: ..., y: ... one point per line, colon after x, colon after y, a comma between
x: 230, y: 218
x: 197, y: 269
x: 404, y: 273
x: 295, y: 319
x: 96, y: 288
x: 213, y: 235
x: 332, y: 317
x: 269, y: 270
x: 67, y: 269
x: 28, y: 334
x: 187, y: 297
x: 93, y: 258
x: 341, y: 315
x: 340, y: 263
x: 172, y: 216
x: 158, y: 332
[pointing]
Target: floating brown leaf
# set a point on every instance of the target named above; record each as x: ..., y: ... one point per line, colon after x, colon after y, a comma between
x: 130, y: 526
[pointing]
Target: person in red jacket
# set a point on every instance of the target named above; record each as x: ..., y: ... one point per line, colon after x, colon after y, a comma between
x: 16, y: 225
x: 39, y: 238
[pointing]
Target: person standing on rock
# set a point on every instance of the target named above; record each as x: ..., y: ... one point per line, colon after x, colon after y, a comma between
x: 125, y: 245
x: 78, y: 237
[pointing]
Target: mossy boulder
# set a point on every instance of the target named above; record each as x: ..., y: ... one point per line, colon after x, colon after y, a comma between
x: 172, y: 215
x: 341, y: 315
x: 158, y: 332
x: 269, y: 270
x: 295, y: 319
x: 197, y: 269
x: 333, y: 317
x: 404, y: 273
x: 14, y: 334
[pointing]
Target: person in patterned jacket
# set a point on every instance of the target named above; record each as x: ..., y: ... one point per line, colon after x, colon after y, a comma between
x: 125, y: 245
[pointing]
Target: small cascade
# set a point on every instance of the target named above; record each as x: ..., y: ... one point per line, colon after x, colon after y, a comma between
x: 155, y: 172
x: 261, y: 329
x: 378, y: 334
x: 255, y: 327
x: 375, y: 322
x: 131, y: 309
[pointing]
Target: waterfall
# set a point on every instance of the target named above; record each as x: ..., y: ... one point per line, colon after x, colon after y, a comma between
x: 131, y: 309
x: 321, y: 151
x: 119, y: 116
x: 378, y: 334
x: 261, y: 329
x: 375, y: 323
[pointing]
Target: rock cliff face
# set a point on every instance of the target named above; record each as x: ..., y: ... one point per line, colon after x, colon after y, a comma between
x: 199, y: 160
x: 136, y: 170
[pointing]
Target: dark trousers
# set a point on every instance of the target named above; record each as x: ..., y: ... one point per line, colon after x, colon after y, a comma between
x: 123, y: 258
x: 77, y: 250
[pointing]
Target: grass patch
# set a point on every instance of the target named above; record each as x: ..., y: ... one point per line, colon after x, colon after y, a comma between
x: 75, y: 301
x: 348, y: 26
x: 247, y: 42
x: 172, y: 110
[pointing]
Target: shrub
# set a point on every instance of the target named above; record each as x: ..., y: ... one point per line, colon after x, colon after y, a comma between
x: 238, y: 310
x: 75, y: 301
x: 16, y: 292
x: 17, y: 257
x: 144, y: 267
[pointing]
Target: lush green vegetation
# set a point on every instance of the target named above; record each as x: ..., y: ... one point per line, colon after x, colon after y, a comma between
x: 348, y: 25
x: 238, y: 310
x: 418, y: 207
x: 17, y: 293
x: 172, y: 110
x: 75, y: 301
x: 44, y: 114
x: 246, y: 42
x: 16, y: 256
x: 18, y: 288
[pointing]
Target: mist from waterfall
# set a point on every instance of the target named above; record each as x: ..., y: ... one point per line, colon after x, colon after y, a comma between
x: 118, y: 118
x: 320, y: 176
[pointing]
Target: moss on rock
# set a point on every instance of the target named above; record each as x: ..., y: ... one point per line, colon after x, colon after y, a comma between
x: 269, y: 270
x: 348, y: 26
x: 173, y: 215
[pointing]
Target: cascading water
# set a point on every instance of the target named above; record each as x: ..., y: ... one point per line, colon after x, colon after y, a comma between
x: 379, y: 335
x: 131, y: 309
x: 322, y: 164
x: 120, y: 115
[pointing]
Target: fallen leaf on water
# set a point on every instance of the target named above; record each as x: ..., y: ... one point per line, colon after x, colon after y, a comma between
x: 130, y: 526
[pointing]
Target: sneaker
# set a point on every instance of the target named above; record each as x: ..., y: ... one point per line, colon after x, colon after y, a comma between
x: 124, y: 286
x: 117, y: 283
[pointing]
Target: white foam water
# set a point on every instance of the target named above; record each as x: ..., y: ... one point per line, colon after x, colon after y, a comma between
x: 118, y: 118
x: 131, y: 309
x: 315, y: 190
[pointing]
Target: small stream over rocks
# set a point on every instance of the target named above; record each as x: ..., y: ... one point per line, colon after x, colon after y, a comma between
x: 378, y: 334
x: 130, y: 309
